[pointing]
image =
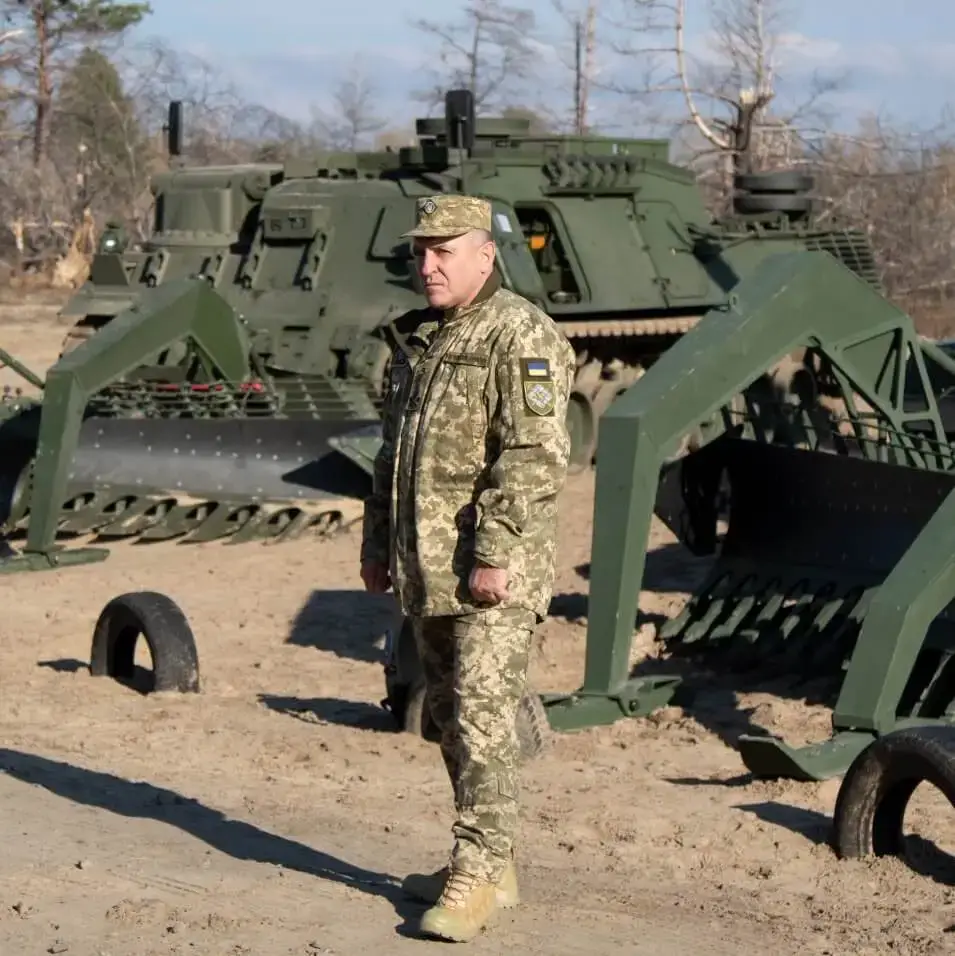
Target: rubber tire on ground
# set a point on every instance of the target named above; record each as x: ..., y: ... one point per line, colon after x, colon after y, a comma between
x: 583, y: 447
x: 876, y: 789
x: 166, y: 631
x: 405, y: 688
x: 533, y: 727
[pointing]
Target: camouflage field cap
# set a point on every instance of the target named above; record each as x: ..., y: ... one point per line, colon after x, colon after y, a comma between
x: 437, y: 216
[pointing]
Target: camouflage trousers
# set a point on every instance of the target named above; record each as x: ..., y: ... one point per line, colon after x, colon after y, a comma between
x: 475, y: 671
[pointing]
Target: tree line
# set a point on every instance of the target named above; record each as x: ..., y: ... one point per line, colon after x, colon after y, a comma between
x: 83, y: 108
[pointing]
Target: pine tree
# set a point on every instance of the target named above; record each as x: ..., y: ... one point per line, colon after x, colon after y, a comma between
x: 52, y: 29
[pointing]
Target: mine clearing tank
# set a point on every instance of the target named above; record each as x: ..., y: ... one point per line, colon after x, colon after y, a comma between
x: 604, y: 233
x: 231, y: 384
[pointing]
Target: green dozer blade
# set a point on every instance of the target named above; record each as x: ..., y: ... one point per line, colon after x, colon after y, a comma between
x: 809, y: 535
x: 198, y: 480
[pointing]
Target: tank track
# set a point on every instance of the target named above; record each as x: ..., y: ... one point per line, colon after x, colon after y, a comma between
x: 603, y: 372
x: 627, y: 328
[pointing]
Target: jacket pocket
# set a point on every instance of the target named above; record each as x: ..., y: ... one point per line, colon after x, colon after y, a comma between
x: 458, y: 418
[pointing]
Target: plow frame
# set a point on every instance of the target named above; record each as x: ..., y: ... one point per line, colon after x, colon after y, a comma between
x: 794, y: 301
x: 188, y: 311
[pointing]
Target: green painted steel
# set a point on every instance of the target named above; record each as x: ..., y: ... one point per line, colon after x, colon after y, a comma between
x: 812, y: 398
x: 116, y: 447
x: 604, y: 233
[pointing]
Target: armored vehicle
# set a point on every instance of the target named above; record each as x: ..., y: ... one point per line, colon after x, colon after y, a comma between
x: 229, y: 393
x: 604, y: 233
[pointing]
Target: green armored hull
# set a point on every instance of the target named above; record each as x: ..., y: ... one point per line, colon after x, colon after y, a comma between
x: 604, y: 233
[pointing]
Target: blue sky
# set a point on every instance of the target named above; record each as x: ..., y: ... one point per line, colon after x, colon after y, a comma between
x: 290, y: 54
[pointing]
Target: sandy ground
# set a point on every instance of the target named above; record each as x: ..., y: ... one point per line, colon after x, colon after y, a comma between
x: 275, y: 812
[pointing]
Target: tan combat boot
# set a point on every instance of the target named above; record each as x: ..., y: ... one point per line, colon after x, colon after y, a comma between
x: 428, y: 887
x: 464, y: 908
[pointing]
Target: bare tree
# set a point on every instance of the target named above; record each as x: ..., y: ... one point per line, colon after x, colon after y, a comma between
x: 584, y: 40
x: 578, y: 57
x: 899, y: 187
x: 220, y: 124
x: 490, y: 51
x: 105, y: 143
x: 745, y: 84
x: 729, y: 98
x: 352, y: 117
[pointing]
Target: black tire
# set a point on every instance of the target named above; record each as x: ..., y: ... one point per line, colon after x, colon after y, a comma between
x: 404, y: 682
x: 772, y: 202
x: 877, y: 787
x: 411, y: 711
x: 780, y: 181
x: 407, y: 700
x: 532, y: 724
x: 580, y: 413
x: 168, y: 635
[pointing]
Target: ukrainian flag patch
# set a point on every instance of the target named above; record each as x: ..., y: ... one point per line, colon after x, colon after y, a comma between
x: 535, y: 368
x: 538, y: 386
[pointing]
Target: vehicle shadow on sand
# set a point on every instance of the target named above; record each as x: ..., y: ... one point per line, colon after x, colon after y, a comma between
x: 351, y: 624
x: 669, y: 568
x: 235, y: 838
x: 348, y: 623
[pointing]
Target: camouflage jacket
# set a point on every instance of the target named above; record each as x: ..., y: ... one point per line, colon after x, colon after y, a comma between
x: 475, y: 450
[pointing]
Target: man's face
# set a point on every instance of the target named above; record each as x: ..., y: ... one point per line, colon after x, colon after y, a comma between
x: 453, y: 270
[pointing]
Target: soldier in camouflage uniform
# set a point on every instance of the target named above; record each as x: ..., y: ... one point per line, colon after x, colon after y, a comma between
x: 462, y: 524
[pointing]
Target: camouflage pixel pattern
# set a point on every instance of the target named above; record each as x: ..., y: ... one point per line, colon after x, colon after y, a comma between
x: 476, y: 674
x: 474, y: 453
x: 408, y: 337
x: 444, y: 216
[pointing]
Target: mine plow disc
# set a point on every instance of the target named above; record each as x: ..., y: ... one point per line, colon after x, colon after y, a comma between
x: 202, y: 480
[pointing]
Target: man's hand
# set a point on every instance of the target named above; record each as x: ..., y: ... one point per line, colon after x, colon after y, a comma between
x: 376, y: 577
x: 489, y: 585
